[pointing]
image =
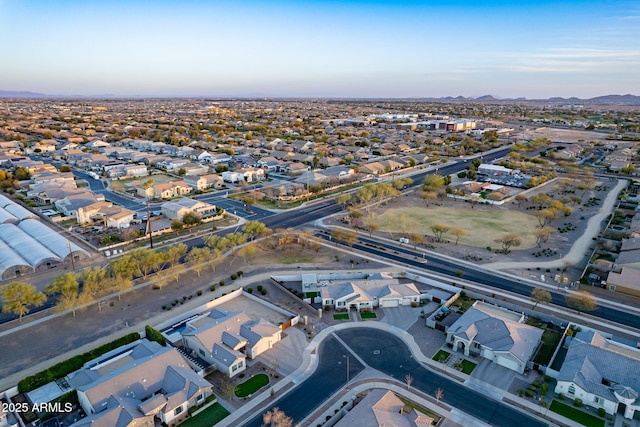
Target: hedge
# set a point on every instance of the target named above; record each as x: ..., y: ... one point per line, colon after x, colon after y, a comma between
x: 154, y: 335
x: 68, y: 366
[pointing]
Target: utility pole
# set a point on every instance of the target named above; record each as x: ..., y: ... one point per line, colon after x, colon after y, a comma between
x: 149, y: 230
x: 73, y: 265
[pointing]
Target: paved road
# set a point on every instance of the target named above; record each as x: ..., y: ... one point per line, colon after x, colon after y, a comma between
x: 452, y: 268
x: 390, y: 355
x: 329, y: 377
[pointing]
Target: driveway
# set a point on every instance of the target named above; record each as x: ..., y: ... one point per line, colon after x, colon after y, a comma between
x: 402, y: 317
x: 491, y: 373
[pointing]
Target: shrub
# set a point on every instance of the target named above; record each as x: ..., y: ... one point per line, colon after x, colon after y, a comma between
x: 602, y: 412
x: 547, y: 379
x: 154, y: 335
x: 544, y: 388
x: 64, y: 368
x: 212, y: 288
x: 199, y: 293
x: 577, y: 402
x: 240, y: 273
x: 234, y: 276
x: 528, y: 393
x: 263, y: 291
x: 561, y: 396
x: 260, y: 289
x: 250, y: 290
x: 221, y: 283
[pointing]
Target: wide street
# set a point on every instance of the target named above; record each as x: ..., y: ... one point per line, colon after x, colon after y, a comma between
x: 388, y: 354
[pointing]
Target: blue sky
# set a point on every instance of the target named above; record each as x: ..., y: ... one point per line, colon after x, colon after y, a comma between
x: 365, y: 48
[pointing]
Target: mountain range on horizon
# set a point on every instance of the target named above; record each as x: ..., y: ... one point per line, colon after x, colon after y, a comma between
x: 627, y: 99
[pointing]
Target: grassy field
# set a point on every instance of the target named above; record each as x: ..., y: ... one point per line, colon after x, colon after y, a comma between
x: 251, y: 385
x: 576, y: 414
x: 210, y: 416
x: 482, y: 225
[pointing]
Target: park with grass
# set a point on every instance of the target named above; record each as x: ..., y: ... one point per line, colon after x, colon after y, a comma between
x: 251, y: 385
x: 482, y: 225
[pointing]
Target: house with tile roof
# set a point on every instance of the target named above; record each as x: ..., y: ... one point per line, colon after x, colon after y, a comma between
x: 145, y: 384
x: 225, y: 339
x: 602, y: 373
x: 380, y: 290
x: 383, y: 408
x: 497, y: 334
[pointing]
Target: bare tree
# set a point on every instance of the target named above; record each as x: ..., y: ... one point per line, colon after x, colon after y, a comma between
x: 582, y: 301
x: 508, y: 240
x: 276, y: 418
x: 408, y: 379
x: 439, y: 393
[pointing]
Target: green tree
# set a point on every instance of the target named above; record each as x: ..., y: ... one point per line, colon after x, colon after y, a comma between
x: 146, y: 261
x: 438, y: 230
x: 253, y: 229
x: 21, y: 174
x: 93, y: 281
x: 67, y: 289
x: 197, y: 258
x: 191, y: 219
x: 433, y: 182
x: 539, y: 295
x: 458, y: 232
x: 18, y: 296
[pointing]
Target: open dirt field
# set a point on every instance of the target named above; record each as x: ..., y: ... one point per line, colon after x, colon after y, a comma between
x: 565, y: 135
x: 483, y: 225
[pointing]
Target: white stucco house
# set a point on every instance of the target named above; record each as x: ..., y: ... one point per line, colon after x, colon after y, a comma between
x: 602, y: 373
x: 497, y: 334
x: 145, y: 385
x: 225, y: 339
x: 379, y: 290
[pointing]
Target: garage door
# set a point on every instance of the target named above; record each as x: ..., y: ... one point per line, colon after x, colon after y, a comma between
x: 508, y: 363
x: 390, y: 303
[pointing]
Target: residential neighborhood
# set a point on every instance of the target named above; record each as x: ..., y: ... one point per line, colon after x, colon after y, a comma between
x: 258, y: 253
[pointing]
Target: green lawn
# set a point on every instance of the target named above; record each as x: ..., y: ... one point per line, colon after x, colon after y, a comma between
x: 467, y: 366
x: 341, y: 316
x: 441, y: 356
x: 210, y: 416
x: 251, y: 385
x: 550, y: 341
x: 366, y: 315
x: 576, y: 414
